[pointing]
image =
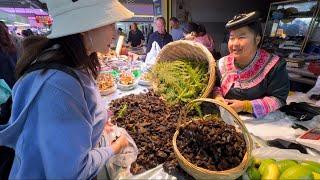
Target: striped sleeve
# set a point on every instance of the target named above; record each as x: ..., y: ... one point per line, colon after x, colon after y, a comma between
x: 264, y: 106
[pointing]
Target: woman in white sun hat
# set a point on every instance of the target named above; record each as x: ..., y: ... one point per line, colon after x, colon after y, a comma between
x: 57, y: 117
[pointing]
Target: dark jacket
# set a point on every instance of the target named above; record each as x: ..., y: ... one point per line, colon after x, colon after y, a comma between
x: 161, y: 39
x: 7, y: 71
x: 135, y: 38
x: 7, y: 66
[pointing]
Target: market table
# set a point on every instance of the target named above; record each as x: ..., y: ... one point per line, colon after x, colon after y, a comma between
x: 278, y: 124
x: 273, y: 126
x: 119, y: 93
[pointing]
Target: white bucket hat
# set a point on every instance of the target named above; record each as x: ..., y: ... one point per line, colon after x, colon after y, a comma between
x: 76, y: 16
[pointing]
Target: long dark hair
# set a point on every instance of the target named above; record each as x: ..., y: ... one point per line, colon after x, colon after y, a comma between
x: 71, y: 52
x: 190, y: 27
x: 201, y: 30
x: 6, y: 44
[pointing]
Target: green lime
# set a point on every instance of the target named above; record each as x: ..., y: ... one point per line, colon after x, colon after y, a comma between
x: 297, y: 172
x: 264, y: 164
x: 253, y: 173
x: 310, y: 167
x: 285, y: 164
x: 271, y: 172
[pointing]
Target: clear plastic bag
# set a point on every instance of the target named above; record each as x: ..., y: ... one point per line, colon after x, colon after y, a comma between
x: 280, y: 154
x: 152, y: 54
x: 118, y: 166
x: 155, y: 173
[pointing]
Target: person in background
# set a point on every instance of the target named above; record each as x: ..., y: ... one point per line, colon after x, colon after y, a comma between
x: 8, y: 60
x: 120, y: 32
x: 57, y: 138
x: 204, y: 38
x: 197, y: 33
x: 4, y: 24
x: 135, y: 37
x: 15, y: 39
x: 190, y: 31
x: 161, y: 36
x: 176, y: 29
x: 251, y: 79
x: 150, y: 31
x: 116, y: 38
x: 26, y: 33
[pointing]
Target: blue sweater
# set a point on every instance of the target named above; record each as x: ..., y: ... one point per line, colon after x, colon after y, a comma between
x: 55, y: 126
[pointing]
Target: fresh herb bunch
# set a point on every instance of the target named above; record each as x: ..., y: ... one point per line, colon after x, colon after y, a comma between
x: 180, y: 81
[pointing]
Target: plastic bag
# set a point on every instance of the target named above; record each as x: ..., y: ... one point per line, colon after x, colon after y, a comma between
x: 315, y: 91
x: 151, y: 56
x: 155, y: 173
x: 119, y: 165
x: 5, y: 91
x: 272, y: 126
x: 280, y: 154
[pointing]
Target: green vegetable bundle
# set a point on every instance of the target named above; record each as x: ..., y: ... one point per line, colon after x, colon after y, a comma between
x: 180, y: 81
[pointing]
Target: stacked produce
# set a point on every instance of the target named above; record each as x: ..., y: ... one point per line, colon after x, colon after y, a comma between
x: 211, y: 144
x: 282, y: 169
x: 126, y: 78
x: 151, y: 123
x: 105, y: 81
x: 180, y: 81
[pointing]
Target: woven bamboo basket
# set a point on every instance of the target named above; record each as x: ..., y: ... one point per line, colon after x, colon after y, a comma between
x: 189, y: 50
x: 201, y: 173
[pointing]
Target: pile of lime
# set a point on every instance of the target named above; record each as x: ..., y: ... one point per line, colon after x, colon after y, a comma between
x: 282, y: 169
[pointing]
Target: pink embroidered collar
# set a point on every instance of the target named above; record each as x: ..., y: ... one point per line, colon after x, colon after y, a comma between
x: 248, y: 77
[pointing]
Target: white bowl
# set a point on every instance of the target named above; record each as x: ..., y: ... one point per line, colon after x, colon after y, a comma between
x: 144, y: 82
x: 109, y: 90
x: 127, y: 87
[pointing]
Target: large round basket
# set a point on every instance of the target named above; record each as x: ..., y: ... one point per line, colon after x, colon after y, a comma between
x: 201, y: 173
x: 189, y: 50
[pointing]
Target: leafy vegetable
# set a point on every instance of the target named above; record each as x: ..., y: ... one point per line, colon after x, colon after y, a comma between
x: 180, y: 81
x: 122, y: 111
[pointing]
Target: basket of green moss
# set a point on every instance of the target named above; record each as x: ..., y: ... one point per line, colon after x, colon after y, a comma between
x: 185, y: 70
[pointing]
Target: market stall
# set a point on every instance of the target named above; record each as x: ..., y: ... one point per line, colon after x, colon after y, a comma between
x: 151, y: 124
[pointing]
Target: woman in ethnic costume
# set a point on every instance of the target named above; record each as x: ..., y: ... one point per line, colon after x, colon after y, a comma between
x: 251, y: 80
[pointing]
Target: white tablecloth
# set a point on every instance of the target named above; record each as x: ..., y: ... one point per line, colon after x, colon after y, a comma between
x: 119, y: 93
x: 278, y: 124
x: 273, y: 126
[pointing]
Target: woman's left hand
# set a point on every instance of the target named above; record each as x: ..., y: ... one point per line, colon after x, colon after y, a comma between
x: 236, y: 105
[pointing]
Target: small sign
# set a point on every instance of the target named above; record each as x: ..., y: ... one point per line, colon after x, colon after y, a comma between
x: 47, y: 20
